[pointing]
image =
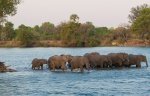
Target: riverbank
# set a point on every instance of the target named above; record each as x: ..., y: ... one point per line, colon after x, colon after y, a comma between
x: 59, y: 43
x: 45, y: 43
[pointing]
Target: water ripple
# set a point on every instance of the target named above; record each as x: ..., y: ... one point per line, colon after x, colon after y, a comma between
x: 115, y: 82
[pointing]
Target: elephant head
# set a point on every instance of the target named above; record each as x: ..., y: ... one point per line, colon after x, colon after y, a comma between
x: 143, y: 58
x: 67, y: 58
x: 137, y: 59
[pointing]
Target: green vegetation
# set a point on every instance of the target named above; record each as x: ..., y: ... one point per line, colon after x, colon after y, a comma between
x: 142, y: 24
x: 74, y: 33
x: 7, y: 7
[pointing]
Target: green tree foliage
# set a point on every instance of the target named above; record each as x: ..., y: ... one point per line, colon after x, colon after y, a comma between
x: 47, y: 29
x: 1, y: 27
x: 8, y: 32
x: 141, y: 25
x: 86, y: 30
x: 89, y: 35
x: 69, y: 31
x: 102, y: 30
x: 135, y: 12
x: 37, y: 32
x: 75, y: 34
x: 25, y: 35
x: 74, y: 18
x: 36, y: 29
x: 7, y: 7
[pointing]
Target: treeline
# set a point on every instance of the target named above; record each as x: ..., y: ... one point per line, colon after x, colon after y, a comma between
x: 75, y: 34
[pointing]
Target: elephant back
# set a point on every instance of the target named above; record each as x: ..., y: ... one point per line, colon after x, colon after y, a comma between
x: 119, y: 56
x: 43, y: 61
x: 34, y: 60
x: 93, y: 53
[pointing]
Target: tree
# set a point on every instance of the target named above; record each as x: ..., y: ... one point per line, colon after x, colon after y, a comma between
x: 121, y: 33
x: 86, y: 30
x: 69, y: 31
x: 135, y: 12
x: 141, y: 25
x: 7, y: 7
x: 8, y: 32
x: 102, y: 30
x: 74, y: 18
x: 47, y: 29
x: 25, y: 35
x: 1, y: 27
x: 37, y: 29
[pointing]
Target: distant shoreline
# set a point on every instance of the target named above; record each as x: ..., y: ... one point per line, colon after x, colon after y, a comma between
x: 58, y: 43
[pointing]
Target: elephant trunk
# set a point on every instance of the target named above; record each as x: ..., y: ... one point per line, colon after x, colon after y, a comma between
x: 146, y: 63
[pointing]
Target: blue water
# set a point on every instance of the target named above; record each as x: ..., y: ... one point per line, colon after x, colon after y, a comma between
x: 26, y: 82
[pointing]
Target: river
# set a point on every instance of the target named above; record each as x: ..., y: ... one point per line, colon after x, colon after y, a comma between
x: 116, y: 82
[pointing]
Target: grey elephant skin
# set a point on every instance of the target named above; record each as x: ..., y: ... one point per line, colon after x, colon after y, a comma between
x: 118, y: 59
x: 58, y: 62
x: 136, y: 60
x: 79, y: 62
x: 38, y: 63
x: 98, y: 61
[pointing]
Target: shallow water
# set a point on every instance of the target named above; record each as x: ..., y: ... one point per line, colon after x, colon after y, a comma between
x: 116, y: 82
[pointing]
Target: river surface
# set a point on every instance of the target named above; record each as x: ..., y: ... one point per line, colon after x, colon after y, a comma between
x: 115, y: 82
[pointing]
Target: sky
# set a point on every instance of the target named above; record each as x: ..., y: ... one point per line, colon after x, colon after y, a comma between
x: 109, y: 13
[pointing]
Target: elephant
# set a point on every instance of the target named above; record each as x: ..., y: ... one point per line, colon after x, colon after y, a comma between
x: 106, y: 61
x: 38, y: 63
x: 4, y: 68
x: 79, y: 62
x: 93, y: 58
x: 58, y: 62
x: 118, y: 59
x: 136, y: 60
x: 98, y: 61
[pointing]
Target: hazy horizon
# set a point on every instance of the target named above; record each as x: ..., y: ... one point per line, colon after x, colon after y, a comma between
x: 109, y: 13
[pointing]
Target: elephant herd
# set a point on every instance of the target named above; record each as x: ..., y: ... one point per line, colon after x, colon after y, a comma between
x: 90, y: 61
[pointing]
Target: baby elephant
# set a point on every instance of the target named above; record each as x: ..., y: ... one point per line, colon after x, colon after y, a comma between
x: 38, y: 63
